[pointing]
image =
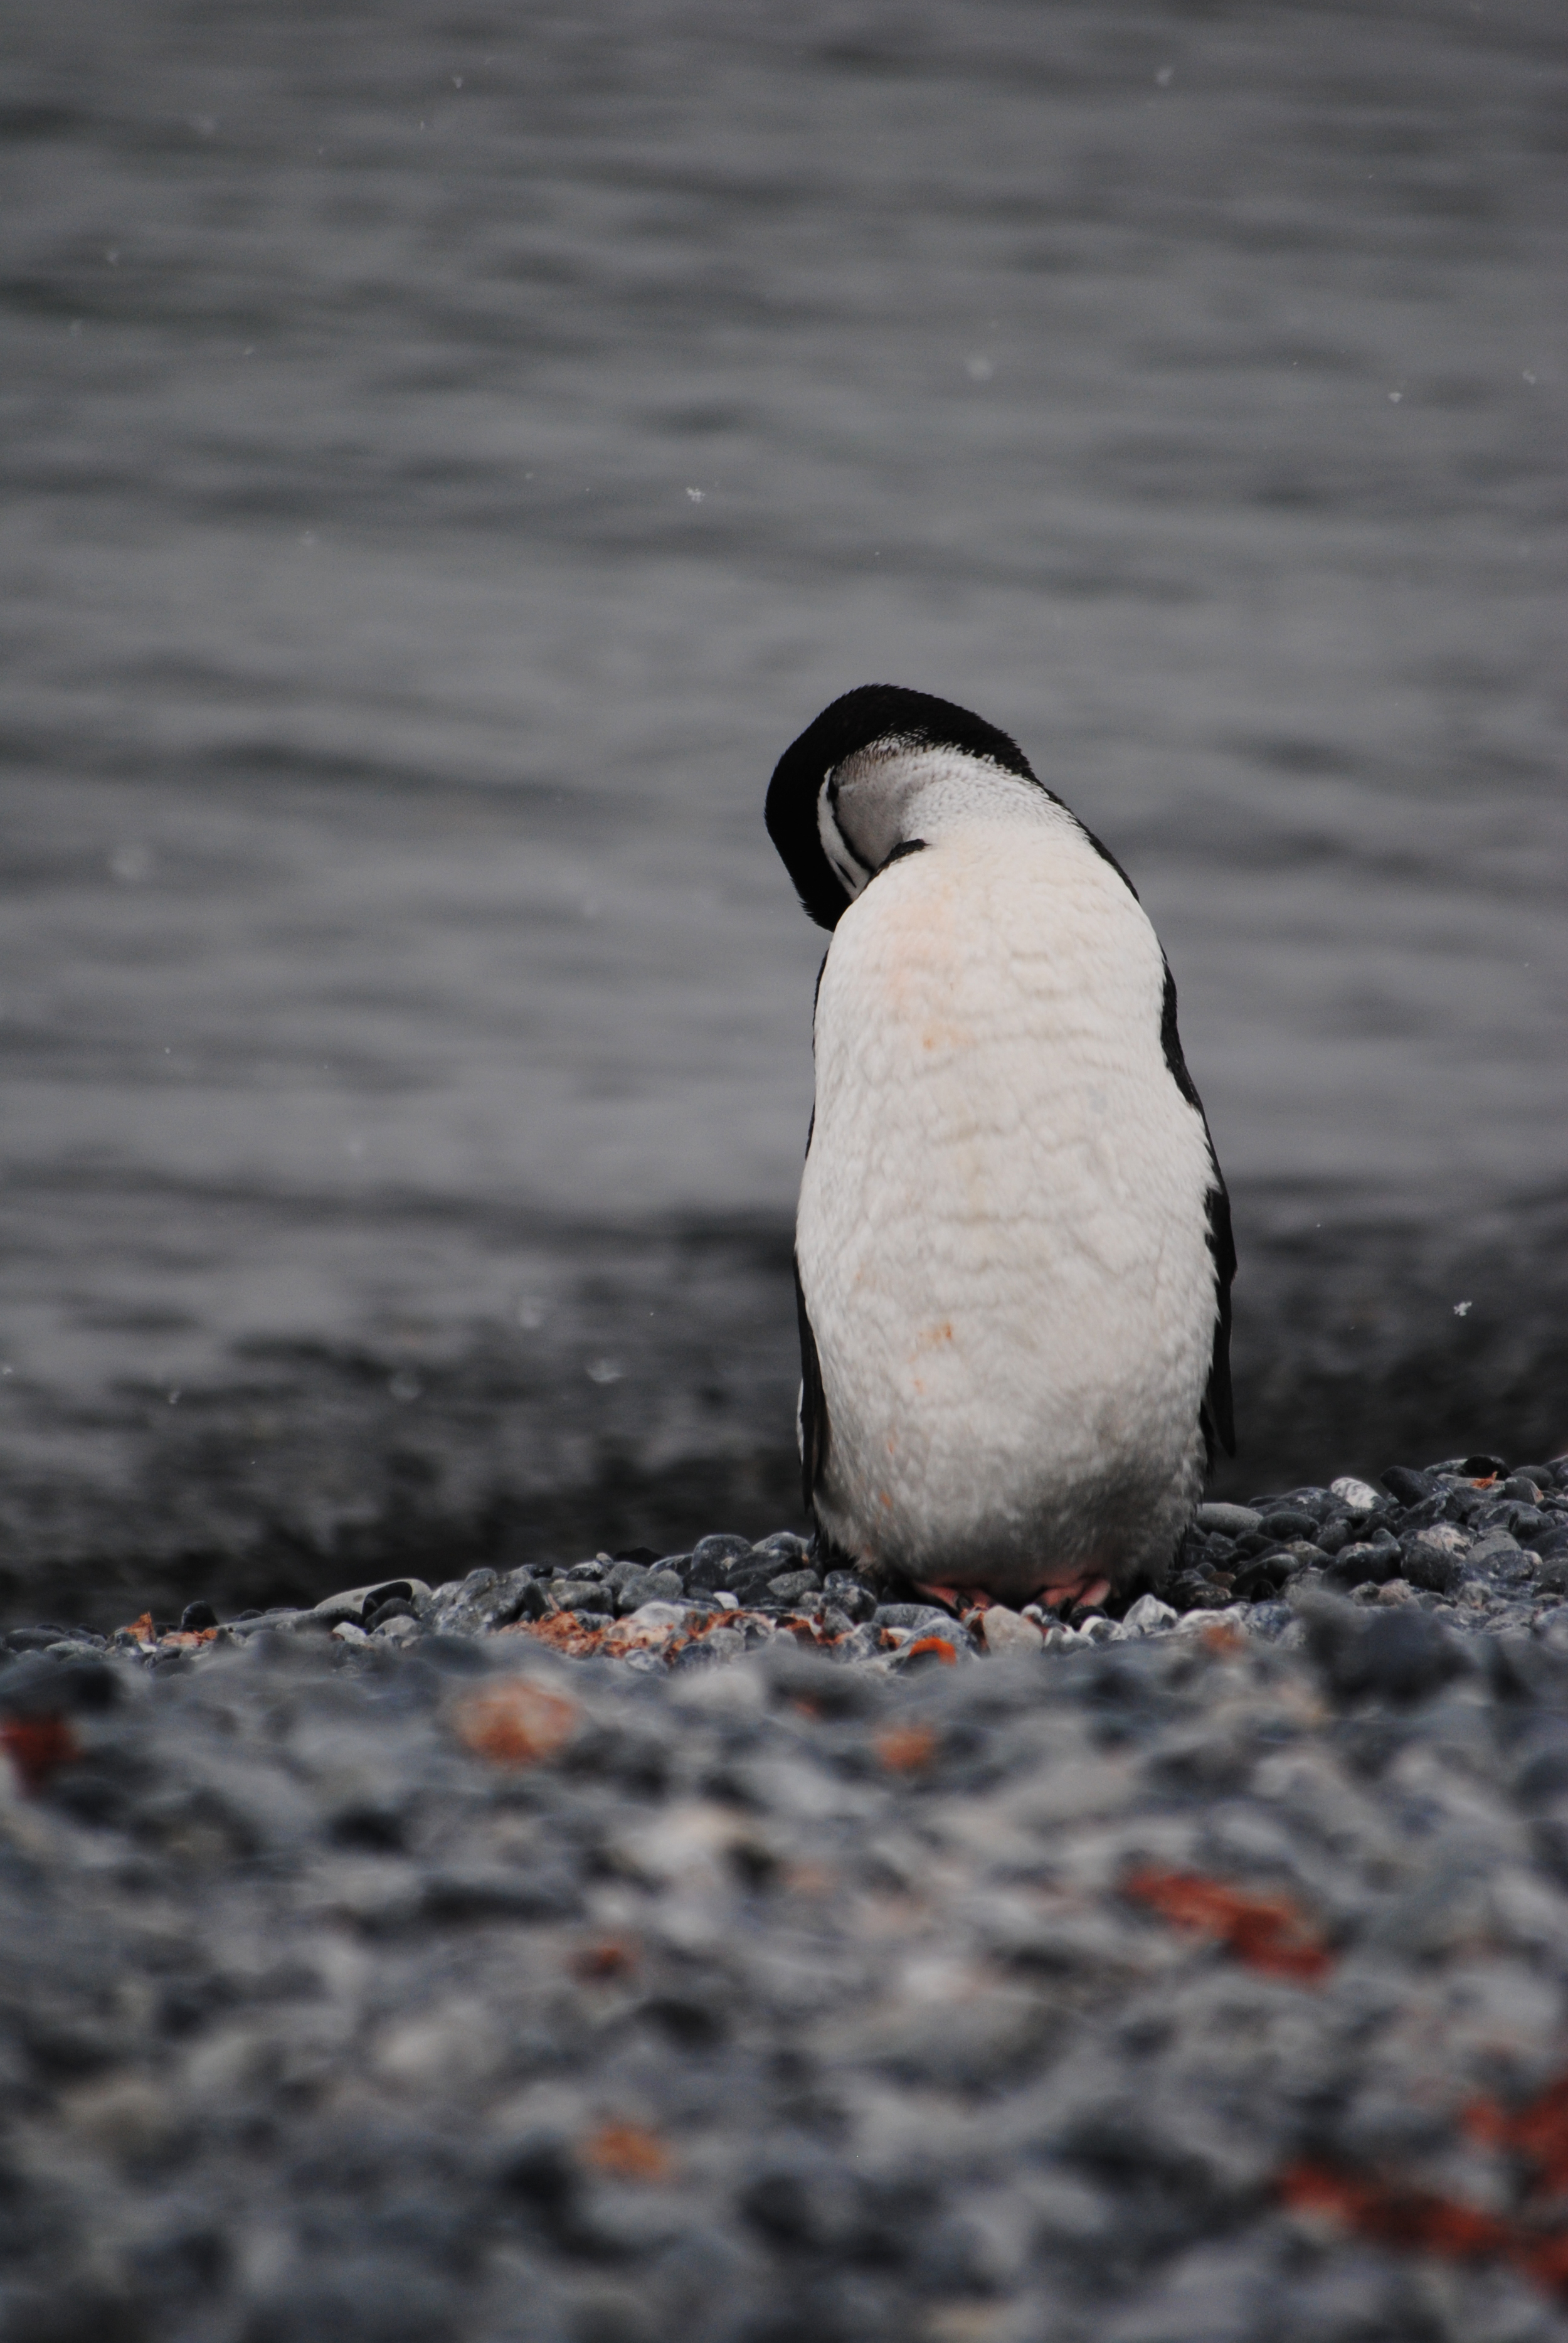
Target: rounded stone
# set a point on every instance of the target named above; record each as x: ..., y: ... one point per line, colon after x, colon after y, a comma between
x: 1286, y: 1525
x: 721, y: 1547
x: 794, y: 1586
x: 851, y: 1593
x: 1365, y: 1565
x: 1229, y: 1521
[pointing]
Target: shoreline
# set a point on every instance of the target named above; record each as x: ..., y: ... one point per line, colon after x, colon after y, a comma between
x: 529, y: 1392
x: 1468, y: 1543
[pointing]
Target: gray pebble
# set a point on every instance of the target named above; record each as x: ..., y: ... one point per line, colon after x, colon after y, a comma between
x: 851, y: 1593
x: 794, y: 1586
x: 720, y: 1548
x: 1229, y: 1521
x: 922, y: 1615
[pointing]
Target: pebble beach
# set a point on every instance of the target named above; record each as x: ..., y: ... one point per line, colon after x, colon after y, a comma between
x: 699, y: 1945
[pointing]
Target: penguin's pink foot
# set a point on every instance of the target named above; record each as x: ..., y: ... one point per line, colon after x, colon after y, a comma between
x: 1086, y: 1591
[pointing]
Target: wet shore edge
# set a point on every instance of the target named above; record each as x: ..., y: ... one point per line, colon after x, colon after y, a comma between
x: 1467, y: 1542
x: 643, y: 1391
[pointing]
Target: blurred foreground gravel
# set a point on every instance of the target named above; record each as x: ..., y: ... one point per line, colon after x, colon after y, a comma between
x: 695, y: 1949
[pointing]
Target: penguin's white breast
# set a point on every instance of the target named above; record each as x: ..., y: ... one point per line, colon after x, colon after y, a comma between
x: 1001, y: 1224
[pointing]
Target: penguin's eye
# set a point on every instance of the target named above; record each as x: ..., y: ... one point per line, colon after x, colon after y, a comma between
x: 848, y: 868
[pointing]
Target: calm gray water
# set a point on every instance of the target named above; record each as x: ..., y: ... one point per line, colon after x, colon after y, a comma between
x: 449, y: 454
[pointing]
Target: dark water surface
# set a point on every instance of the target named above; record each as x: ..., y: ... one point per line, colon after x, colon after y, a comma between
x: 448, y: 452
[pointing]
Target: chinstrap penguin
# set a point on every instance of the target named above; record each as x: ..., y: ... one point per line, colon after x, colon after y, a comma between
x: 1013, y: 1250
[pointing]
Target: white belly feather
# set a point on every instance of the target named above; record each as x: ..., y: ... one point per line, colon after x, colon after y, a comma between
x: 1001, y: 1234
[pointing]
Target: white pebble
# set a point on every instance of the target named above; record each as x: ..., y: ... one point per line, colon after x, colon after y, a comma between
x: 1009, y: 1631
x: 1148, y: 1612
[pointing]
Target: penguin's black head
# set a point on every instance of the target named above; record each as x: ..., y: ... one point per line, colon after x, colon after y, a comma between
x: 827, y: 867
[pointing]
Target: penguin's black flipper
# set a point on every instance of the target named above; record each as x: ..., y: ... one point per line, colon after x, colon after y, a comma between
x: 813, y: 1405
x: 1215, y: 1416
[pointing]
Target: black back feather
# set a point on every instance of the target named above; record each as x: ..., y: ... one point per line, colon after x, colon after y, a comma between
x: 814, y: 1429
x: 1216, y: 1414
